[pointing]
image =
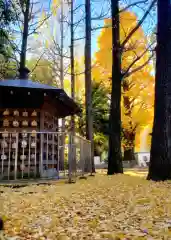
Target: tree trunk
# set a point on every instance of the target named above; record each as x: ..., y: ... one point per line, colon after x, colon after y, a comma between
x: 129, y: 138
x: 24, y: 37
x: 128, y: 134
x: 88, y: 82
x: 72, y: 58
x: 62, y: 155
x: 128, y: 154
x: 160, y: 161
x: 114, y: 155
x: 72, y: 136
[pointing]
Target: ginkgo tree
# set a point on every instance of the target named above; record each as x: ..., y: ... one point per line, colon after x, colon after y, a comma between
x: 136, y: 109
x: 137, y: 80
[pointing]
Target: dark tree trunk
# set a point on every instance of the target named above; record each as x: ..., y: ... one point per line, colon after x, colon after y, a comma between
x: 128, y: 134
x: 72, y: 139
x: 129, y: 144
x: 24, y: 37
x: 114, y: 155
x: 160, y: 161
x: 129, y: 154
x: 129, y: 138
x: 72, y: 64
x: 88, y: 82
x: 96, y: 152
x: 62, y: 156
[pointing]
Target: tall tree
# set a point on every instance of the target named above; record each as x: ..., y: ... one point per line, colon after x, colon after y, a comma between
x: 88, y: 80
x: 118, y: 48
x: 25, y: 5
x: 26, y: 14
x: 72, y: 150
x: 72, y: 63
x: 160, y: 161
x: 62, y: 76
x: 136, y: 76
x: 115, y: 156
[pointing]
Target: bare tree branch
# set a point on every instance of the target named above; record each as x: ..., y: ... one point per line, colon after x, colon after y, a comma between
x: 127, y: 72
x: 101, y: 27
x: 138, y: 25
x: 78, y: 39
x: 101, y: 16
x: 141, y: 66
x: 37, y: 63
x: 78, y: 7
x: 39, y: 25
x: 132, y: 5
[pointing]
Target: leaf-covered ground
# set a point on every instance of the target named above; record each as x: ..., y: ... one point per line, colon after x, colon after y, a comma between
x: 102, y: 207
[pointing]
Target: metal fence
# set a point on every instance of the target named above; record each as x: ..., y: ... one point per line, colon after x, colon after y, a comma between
x: 43, y: 155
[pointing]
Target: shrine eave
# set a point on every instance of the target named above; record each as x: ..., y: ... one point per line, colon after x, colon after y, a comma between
x: 30, y: 86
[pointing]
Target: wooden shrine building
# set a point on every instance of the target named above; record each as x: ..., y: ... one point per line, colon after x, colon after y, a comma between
x: 29, y: 113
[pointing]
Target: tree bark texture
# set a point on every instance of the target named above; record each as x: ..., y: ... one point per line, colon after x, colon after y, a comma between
x: 72, y: 64
x: 160, y: 161
x: 72, y: 138
x: 129, y: 138
x: 24, y: 37
x: 128, y: 134
x: 88, y: 82
x: 62, y: 82
x: 114, y: 155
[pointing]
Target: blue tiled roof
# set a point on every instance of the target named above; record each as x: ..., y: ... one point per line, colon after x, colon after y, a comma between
x: 25, y: 84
